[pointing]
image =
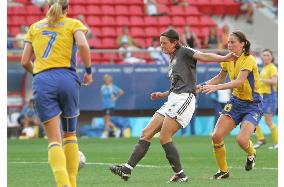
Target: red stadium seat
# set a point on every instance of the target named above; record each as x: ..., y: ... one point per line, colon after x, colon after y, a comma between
x: 93, y: 20
x: 122, y: 2
x: 108, y: 43
x: 93, y: 10
x: 33, y: 10
x: 177, y: 11
x: 136, y: 21
x: 137, y: 32
x: 207, y: 21
x: 17, y: 20
x: 77, y: 10
x: 96, y: 31
x: 205, y: 6
x: 32, y: 19
x: 152, y: 32
x: 109, y: 32
x: 108, y: 21
x: 121, y: 10
x: 164, y: 21
x: 14, y: 30
x: 122, y: 20
x: 95, y: 43
x: 107, y: 10
x: 192, y: 11
x: 96, y: 58
x: 18, y: 10
x: 193, y: 20
x: 234, y: 7
x: 150, y: 20
x: 178, y: 20
x: 136, y: 10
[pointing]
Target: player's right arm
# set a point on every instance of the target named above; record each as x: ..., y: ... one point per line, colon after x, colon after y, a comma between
x: 159, y: 95
x: 26, y: 57
x: 84, y: 52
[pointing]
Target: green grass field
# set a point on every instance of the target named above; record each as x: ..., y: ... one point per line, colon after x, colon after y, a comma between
x: 27, y: 164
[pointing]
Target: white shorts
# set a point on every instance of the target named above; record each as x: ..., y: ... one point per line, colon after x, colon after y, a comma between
x: 180, y: 107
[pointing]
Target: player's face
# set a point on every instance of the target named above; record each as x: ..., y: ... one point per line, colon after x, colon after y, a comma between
x: 166, y: 46
x: 234, y: 45
x: 266, y: 57
x: 108, y: 80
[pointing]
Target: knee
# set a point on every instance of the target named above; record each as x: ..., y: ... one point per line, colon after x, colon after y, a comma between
x: 217, y: 137
x: 146, y: 135
x: 242, y: 142
x: 164, y: 139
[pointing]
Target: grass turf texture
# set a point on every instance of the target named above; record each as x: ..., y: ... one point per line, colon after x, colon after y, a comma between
x: 27, y: 164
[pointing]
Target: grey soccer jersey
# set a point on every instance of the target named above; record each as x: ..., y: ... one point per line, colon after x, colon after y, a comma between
x: 182, y: 71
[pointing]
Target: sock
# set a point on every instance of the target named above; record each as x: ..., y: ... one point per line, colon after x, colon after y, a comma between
x: 57, y: 162
x: 274, y: 133
x: 138, y: 153
x: 220, y: 156
x: 250, y: 150
x: 71, y: 151
x: 172, y: 156
x: 259, y: 134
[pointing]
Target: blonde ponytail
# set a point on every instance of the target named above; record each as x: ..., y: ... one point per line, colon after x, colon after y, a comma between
x: 57, y: 8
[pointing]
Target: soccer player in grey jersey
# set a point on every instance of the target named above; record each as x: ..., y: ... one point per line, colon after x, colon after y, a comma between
x: 176, y: 113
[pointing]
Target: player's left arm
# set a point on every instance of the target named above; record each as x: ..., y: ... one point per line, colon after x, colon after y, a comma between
x: 273, y: 80
x: 211, y: 57
x: 242, y: 76
x: 27, y: 56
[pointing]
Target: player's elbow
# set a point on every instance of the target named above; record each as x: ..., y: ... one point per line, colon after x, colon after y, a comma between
x: 238, y: 83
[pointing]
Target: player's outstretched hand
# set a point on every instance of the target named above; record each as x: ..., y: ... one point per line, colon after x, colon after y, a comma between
x: 209, y: 89
x: 88, y: 79
x: 231, y: 57
x: 157, y: 95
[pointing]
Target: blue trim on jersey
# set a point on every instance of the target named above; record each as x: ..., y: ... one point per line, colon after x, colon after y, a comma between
x: 73, y: 55
x: 255, y: 96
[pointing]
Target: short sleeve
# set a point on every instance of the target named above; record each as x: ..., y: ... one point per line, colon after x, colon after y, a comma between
x: 116, y: 89
x: 190, y: 51
x: 273, y: 72
x: 224, y: 66
x: 28, y: 36
x: 78, y: 25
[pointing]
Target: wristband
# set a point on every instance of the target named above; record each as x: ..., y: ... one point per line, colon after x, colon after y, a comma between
x: 203, y: 84
x: 88, y: 70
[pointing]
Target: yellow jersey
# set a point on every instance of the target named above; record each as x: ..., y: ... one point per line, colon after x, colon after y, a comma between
x: 268, y: 72
x: 54, y: 47
x: 250, y: 90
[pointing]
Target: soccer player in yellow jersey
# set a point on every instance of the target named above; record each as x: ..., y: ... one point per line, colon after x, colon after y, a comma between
x: 54, y: 41
x: 245, y: 105
x: 268, y: 88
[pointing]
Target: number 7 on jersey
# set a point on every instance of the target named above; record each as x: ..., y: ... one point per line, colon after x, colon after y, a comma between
x: 53, y: 36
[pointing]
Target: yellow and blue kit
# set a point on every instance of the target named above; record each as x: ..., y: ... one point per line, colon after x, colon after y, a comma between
x: 55, y: 83
x: 246, y: 102
x: 269, y: 91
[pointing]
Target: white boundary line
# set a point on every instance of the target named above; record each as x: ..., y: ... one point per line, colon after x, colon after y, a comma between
x: 108, y: 164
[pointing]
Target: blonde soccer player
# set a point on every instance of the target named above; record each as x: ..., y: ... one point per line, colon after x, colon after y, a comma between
x: 54, y: 41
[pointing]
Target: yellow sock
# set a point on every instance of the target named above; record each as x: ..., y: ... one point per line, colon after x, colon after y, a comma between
x: 220, y: 155
x: 72, y: 158
x: 250, y: 150
x: 57, y: 162
x: 259, y: 134
x: 274, y: 133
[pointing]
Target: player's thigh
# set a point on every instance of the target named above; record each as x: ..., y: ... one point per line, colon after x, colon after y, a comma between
x: 268, y: 119
x: 169, y: 128
x: 52, y: 130
x: 224, y: 126
x: 153, y: 126
x: 247, y: 128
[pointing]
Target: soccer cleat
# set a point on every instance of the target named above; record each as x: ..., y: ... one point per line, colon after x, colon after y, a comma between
x: 250, y: 162
x: 275, y: 146
x: 259, y: 144
x: 121, y: 171
x: 221, y: 175
x: 179, y: 178
x: 117, y: 132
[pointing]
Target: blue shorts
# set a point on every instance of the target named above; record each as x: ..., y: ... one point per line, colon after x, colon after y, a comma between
x: 55, y: 92
x: 269, y: 103
x: 241, y: 111
x: 108, y: 111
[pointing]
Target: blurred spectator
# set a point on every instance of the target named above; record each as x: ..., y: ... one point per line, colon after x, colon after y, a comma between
x: 110, y: 93
x: 152, y: 8
x: 224, y: 37
x: 247, y: 8
x: 11, y: 3
x: 20, y: 37
x: 126, y: 53
x: 189, y: 38
x: 126, y: 38
x: 40, y: 3
x: 156, y: 53
x: 179, y: 2
x: 89, y: 33
x: 212, y: 40
x: 10, y: 37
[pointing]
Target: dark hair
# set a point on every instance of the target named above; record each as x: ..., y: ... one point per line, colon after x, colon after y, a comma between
x: 173, y: 36
x: 242, y: 38
x: 269, y: 50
